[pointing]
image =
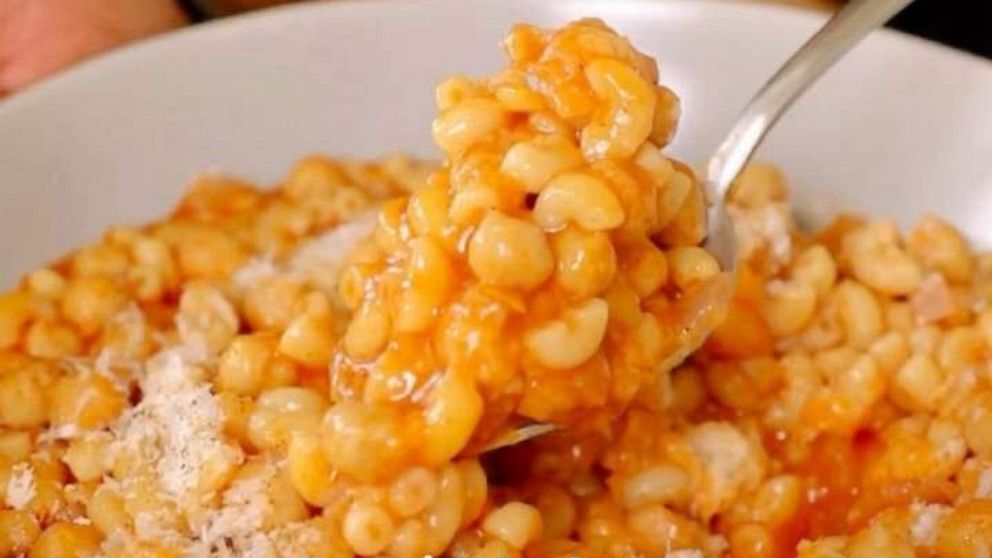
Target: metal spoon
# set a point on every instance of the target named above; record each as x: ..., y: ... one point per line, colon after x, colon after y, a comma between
x: 839, y: 34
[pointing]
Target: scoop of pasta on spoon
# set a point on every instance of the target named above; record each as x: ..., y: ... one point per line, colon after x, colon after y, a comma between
x: 700, y: 310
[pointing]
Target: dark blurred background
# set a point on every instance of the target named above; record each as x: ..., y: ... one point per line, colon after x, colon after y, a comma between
x: 964, y: 24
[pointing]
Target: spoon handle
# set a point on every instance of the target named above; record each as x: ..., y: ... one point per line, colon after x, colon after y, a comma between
x: 844, y: 30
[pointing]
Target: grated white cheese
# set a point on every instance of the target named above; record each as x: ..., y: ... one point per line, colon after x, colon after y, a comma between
x: 20, y: 487
x: 122, y: 372
x: 321, y: 259
x: 685, y: 553
x: 730, y: 463
x: 65, y: 431
x: 157, y: 526
x: 177, y: 425
x: 103, y: 362
x: 236, y: 528
x: 259, y: 546
x: 984, y: 488
x: 297, y: 539
x: 192, y: 325
x: 132, y: 322
x: 764, y: 227
x: 926, y: 521
x: 254, y: 271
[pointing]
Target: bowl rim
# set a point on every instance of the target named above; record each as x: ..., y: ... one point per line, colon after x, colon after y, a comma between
x: 78, y: 75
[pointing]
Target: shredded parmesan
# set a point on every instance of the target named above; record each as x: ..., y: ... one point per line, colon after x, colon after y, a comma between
x: 103, y: 362
x: 132, y: 322
x: 926, y: 521
x: 236, y: 529
x: 297, y: 539
x: 20, y: 487
x: 254, y: 271
x: 729, y: 462
x: 685, y: 553
x: 321, y: 260
x: 64, y: 431
x: 114, y: 358
x: 177, y: 426
x: 157, y: 526
x: 984, y: 488
x: 765, y: 227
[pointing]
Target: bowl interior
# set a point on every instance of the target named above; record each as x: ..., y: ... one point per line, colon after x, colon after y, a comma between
x: 898, y: 129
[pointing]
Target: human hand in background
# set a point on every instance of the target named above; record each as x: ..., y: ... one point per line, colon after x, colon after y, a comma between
x: 41, y: 37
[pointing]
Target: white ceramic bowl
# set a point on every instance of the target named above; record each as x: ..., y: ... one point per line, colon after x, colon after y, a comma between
x: 900, y: 128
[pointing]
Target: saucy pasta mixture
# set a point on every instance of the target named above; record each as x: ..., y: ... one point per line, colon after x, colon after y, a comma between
x: 489, y: 357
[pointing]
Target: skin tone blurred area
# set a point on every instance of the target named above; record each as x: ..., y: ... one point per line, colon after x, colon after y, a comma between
x: 41, y: 37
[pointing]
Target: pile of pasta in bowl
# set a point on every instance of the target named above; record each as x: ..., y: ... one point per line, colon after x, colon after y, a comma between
x: 486, y: 357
